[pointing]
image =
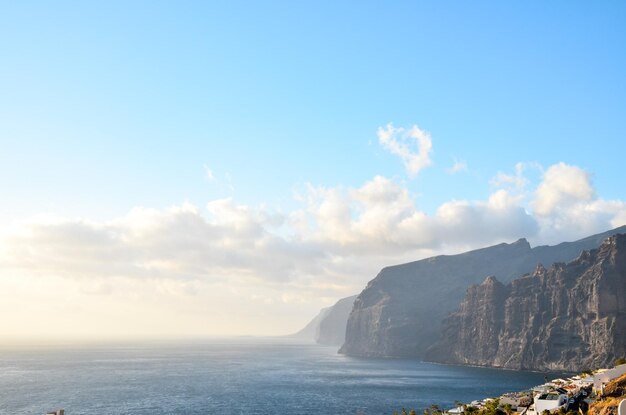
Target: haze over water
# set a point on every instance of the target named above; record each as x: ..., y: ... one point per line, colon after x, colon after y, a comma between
x: 234, y: 376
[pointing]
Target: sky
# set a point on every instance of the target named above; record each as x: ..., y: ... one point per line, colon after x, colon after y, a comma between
x: 228, y: 168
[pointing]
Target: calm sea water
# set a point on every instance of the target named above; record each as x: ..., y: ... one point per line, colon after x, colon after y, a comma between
x: 234, y: 376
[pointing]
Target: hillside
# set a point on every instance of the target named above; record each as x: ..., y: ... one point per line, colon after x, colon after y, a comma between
x: 614, y: 393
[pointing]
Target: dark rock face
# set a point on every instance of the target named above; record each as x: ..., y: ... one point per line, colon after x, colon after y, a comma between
x: 486, y: 300
x: 400, y: 311
x: 329, y: 326
x: 568, y: 317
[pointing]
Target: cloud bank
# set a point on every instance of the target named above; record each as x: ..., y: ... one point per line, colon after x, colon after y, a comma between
x: 330, y: 245
x: 208, y: 269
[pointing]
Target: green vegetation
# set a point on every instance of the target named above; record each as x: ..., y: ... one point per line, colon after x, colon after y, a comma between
x: 620, y: 361
x: 433, y: 410
x: 563, y: 411
x: 491, y: 408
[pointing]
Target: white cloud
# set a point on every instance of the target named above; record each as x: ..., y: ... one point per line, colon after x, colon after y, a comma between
x: 334, y: 233
x: 208, y: 174
x: 563, y: 186
x: 472, y: 224
x: 517, y: 182
x: 563, y: 202
x: 566, y: 205
x: 457, y: 167
x: 413, y: 146
x: 381, y: 219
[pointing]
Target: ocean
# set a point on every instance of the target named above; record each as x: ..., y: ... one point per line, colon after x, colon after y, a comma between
x: 234, y: 376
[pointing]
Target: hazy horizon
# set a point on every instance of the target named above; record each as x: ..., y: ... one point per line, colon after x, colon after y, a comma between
x: 230, y: 169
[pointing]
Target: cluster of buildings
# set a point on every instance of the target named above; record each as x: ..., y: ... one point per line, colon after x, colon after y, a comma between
x: 569, y: 394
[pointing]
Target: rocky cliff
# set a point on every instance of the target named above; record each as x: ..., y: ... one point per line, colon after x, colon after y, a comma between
x: 567, y: 317
x: 312, y: 330
x: 329, y: 326
x: 400, y: 311
x: 332, y: 328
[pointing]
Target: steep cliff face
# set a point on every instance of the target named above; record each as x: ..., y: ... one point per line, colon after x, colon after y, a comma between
x: 312, y: 330
x: 332, y: 329
x: 567, y: 317
x: 400, y: 311
x: 329, y: 326
x: 481, y: 312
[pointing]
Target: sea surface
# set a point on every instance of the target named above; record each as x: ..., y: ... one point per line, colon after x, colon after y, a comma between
x: 234, y: 376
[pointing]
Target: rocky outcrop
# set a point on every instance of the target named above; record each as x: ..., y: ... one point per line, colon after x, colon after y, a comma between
x: 329, y: 326
x: 400, y: 311
x: 567, y: 317
x: 615, y: 388
x: 482, y: 313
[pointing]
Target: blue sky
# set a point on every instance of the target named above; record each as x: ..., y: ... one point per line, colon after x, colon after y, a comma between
x: 107, y: 107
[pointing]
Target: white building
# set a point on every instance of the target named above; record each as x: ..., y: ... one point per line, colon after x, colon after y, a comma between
x: 549, y: 401
x: 583, y: 382
x: 604, y: 376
